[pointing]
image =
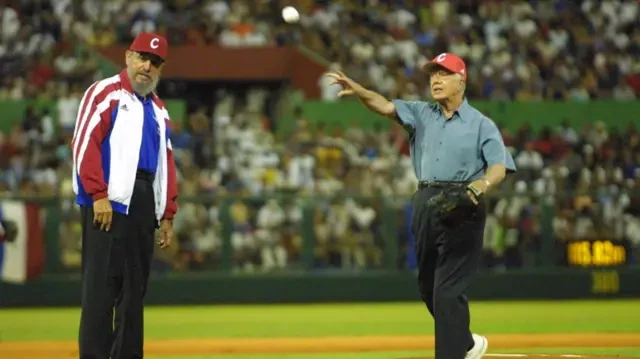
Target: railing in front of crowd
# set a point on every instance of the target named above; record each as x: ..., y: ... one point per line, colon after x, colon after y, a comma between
x: 294, y: 233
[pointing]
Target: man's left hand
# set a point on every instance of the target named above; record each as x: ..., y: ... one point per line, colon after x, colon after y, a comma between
x: 166, y: 233
x: 481, y: 187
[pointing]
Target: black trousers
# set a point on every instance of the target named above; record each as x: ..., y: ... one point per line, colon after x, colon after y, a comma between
x: 115, y: 272
x: 447, y: 258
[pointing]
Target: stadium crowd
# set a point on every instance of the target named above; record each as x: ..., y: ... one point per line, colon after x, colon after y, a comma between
x: 519, y: 50
x: 515, y: 50
x: 525, y: 51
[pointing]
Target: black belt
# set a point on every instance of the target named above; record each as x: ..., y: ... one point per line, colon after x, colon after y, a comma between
x: 441, y: 184
x: 146, y: 176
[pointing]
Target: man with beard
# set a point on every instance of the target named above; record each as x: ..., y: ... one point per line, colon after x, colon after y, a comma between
x: 458, y: 155
x: 125, y: 184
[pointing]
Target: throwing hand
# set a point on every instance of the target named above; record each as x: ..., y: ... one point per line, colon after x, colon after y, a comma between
x: 348, y: 85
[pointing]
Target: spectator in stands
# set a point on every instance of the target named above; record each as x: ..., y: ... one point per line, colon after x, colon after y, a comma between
x: 68, y: 105
x: 529, y: 162
x: 270, y: 221
x: 243, y: 241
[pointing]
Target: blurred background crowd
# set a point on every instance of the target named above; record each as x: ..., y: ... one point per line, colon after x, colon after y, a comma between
x: 519, y: 50
x: 230, y: 154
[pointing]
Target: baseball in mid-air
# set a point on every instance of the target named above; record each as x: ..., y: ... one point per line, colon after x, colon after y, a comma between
x: 290, y: 14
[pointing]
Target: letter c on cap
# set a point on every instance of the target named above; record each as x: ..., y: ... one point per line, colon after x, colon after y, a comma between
x: 154, y: 43
x: 441, y: 57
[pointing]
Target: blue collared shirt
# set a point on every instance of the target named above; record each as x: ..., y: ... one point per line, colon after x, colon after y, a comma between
x: 458, y: 149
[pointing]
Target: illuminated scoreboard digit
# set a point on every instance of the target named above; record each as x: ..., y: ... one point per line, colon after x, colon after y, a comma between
x: 601, y: 253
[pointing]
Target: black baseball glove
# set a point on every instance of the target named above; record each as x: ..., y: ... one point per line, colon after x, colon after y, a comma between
x: 10, y: 230
x: 453, y: 206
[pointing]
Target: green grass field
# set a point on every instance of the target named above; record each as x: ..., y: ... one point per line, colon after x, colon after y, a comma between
x: 310, y: 321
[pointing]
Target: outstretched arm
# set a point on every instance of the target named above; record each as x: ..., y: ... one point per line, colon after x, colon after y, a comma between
x: 371, y: 99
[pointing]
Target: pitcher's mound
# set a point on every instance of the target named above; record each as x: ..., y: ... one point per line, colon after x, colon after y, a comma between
x: 544, y: 356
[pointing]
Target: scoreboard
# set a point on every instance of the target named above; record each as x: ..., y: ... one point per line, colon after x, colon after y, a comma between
x: 596, y: 253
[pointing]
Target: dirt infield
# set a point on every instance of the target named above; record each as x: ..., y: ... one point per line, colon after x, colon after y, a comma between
x: 67, y: 349
x: 544, y: 356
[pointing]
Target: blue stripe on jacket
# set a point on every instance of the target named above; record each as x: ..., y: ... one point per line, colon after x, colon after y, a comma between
x: 150, y: 137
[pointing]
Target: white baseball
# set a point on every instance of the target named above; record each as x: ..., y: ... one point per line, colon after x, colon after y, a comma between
x: 290, y: 14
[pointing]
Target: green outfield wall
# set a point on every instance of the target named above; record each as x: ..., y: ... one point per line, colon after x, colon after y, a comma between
x: 511, y: 115
x: 340, y: 114
x: 13, y: 112
x: 206, y: 288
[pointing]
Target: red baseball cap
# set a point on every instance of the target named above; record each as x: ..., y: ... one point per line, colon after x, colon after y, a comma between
x: 450, y: 62
x: 150, y: 43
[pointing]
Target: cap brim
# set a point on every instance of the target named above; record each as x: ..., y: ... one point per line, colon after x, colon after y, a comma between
x: 158, y: 57
x: 147, y: 52
x: 430, y: 66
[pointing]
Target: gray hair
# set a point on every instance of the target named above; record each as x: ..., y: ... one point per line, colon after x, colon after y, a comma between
x: 464, y: 83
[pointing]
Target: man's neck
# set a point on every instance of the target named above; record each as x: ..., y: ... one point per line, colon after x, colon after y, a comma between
x: 450, y: 105
x: 143, y: 95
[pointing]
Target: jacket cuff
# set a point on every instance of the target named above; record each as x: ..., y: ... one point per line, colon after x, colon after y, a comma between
x: 99, y: 195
